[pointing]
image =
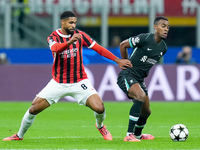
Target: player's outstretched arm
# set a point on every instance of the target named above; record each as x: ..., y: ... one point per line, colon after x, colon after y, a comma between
x: 123, y: 63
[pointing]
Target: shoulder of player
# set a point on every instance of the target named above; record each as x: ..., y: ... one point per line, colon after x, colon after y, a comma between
x: 148, y: 36
x: 84, y: 34
x: 52, y: 35
x: 55, y: 33
x: 79, y: 31
x: 145, y: 36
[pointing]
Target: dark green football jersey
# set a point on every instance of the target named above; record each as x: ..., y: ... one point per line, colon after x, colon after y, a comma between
x: 146, y: 52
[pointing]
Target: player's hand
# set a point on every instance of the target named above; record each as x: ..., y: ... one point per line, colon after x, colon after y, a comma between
x: 123, y: 63
x: 74, y: 38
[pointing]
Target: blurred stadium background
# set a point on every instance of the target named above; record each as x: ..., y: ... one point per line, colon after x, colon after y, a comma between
x: 25, y: 25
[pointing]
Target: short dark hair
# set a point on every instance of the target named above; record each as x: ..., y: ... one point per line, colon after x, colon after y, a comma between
x: 159, y: 18
x: 67, y: 14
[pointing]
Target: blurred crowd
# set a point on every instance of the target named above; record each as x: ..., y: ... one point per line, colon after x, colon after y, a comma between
x: 3, y: 59
x: 185, y: 56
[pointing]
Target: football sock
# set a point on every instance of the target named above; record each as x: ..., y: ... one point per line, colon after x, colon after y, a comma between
x: 100, y: 118
x: 134, y: 114
x: 140, y: 125
x: 27, y: 121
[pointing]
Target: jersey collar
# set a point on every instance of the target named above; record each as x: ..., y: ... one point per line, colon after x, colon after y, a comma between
x: 62, y: 35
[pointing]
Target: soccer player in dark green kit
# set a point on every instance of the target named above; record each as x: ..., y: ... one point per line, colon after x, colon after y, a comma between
x: 148, y: 48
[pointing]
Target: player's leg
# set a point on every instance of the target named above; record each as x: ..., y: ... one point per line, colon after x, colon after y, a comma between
x: 50, y: 94
x: 138, y: 95
x: 145, y: 113
x: 86, y: 95
x: 96, y: 104
x: 38, y: 105
x: 133, y: 90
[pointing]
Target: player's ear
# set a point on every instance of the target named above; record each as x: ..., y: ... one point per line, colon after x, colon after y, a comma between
x: 155, y: 26
x: 62, y: 22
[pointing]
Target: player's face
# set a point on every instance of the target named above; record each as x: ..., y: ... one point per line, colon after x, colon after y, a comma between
x: 162, y: 28
x: 69, y: 24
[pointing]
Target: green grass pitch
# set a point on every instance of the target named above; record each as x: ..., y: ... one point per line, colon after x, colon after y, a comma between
x: 67, y: 125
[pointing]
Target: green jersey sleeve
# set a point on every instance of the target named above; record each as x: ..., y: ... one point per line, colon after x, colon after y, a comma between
x: 137, y: 40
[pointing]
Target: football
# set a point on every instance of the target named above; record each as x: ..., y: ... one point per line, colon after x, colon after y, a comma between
x: 179, y: 132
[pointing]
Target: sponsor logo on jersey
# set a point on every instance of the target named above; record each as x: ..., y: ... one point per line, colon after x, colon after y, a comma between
x: 69, y: 53
x: 148, y: 60
x: 143, y: 59
x: 151, y: 61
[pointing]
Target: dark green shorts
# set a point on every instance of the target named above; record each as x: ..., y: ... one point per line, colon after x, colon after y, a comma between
x: 125, y: 81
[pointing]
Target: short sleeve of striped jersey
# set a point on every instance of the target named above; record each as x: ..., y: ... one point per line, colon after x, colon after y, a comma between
x: 51, y: 41
x: 87, y: 40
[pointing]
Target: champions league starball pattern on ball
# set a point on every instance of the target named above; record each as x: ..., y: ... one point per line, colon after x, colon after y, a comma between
x: 179, y: 132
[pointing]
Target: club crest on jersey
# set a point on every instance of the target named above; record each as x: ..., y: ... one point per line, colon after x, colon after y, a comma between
x: 149, y: 49
x: 135, y: 40
x: 75, y: 42
x: 131, y: 81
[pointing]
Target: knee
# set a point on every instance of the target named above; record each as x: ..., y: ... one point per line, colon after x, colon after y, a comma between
x: 141, y: 96
x: 96, y: 104
x: 100, y: 109
x: 38, y: 105
x: 33, y: 110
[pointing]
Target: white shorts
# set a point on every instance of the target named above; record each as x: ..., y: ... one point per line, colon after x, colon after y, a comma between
x: 80, y: 91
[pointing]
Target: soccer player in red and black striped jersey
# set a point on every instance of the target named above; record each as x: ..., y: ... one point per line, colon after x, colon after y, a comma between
x: 68, y: 75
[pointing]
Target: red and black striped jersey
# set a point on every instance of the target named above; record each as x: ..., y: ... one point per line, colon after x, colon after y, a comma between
x: 68, y: 65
